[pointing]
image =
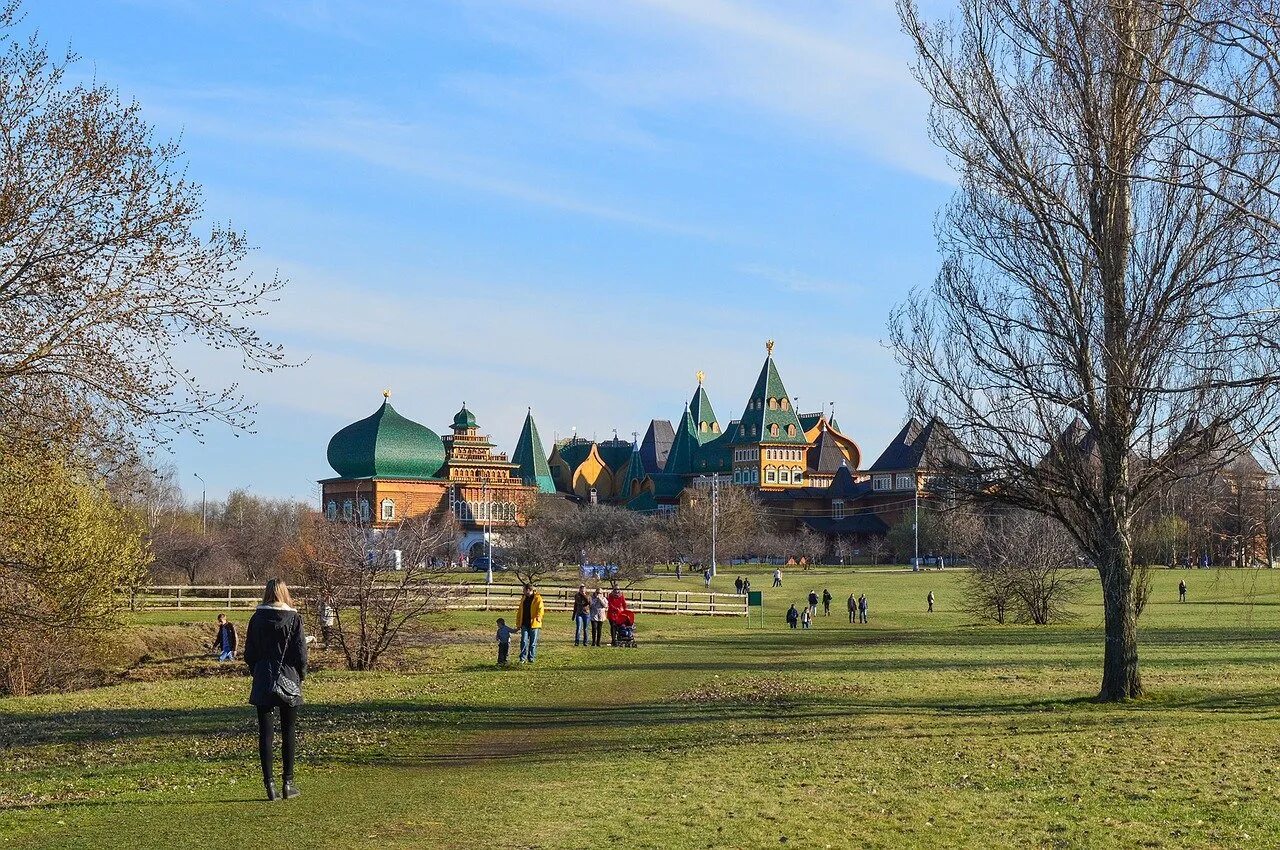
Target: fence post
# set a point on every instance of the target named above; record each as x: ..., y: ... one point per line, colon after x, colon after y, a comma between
x: 486, y: 597
x: 179, y: 597
x: 228, y: 597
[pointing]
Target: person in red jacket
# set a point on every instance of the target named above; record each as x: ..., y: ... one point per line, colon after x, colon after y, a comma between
x: 617, y: 606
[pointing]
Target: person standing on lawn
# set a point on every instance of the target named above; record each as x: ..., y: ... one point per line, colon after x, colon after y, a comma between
x: 504, y: 641
x: 275, y: 650
x: 1182, y: 590
x: 746, y: 585
x: 853, y: 608
x: 793, y: 616
x: 862, y: 608
x: 737, y: 585
x: 706, y: 578
x: 813, y: 602
x: 806, y: 618
x: 227, y: 641
x: 826, y: 602
x: 930, y: 599
x: 529, y: 621
x: 581, y: 615
x: 777, y: 578
x: 599, y: 612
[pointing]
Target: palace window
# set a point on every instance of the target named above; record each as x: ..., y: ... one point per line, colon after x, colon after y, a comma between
x: 346, y: 510
x: 837, y: 508
x: 755, y: 476
x: 906, y: 482
x: 770, y: 475
x: 703, y: 427
x: 773, y: 430
x: 388, y: 510
x: 786, y: 405
x: 715, y: 427
x: 797, y: 475
x: 364, y: 510
x: 737, y: 476
x: 773, y: 404
x: 882, y: 482
x: 331, y: 510
x: 785, y: 476
x: 791, y: 430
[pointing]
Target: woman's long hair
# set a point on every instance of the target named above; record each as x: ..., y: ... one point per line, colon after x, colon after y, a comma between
x: 276, y: 592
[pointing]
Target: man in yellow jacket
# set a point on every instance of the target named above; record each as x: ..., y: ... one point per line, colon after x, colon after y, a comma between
x: 529, y: 621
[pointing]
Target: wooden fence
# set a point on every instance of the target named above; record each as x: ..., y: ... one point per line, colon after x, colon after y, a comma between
x: 462, y: 596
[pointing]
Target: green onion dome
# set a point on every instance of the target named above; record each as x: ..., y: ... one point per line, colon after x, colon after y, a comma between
x: 464, y: 418
x: 386, y: 445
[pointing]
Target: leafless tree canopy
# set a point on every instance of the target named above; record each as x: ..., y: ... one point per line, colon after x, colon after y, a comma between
x: 1112, y: 257
x: 1023, y: 567
x: 103, y: 273
x: 377, y: 582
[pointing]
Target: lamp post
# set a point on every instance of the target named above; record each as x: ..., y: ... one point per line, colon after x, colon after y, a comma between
x: 488, y: 535
x: 204, y: 514
x: 715, y: 517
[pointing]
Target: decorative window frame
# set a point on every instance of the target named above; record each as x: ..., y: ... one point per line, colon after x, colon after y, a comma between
x: 387, y: 510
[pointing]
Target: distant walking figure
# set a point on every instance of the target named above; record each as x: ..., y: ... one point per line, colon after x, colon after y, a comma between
x: 275, y: 650
x: 227, y: 641
x: 777, y: 578
x: 746, y: 585
x: 706, y: 577
x: 826, y: 602
x: 806, y: 618
x: 503, y: 636
x: 813, y: 602
x: 792, y: 615
x: 1182, y: 590
x: 737, y: 585
x: 529, y: 622
x: 931, y: 602
x: 677, y: 570
x: 853, y: 608
x: 862, y: 608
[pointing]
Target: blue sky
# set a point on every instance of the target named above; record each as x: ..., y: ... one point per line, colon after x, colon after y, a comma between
x: 569, y: 204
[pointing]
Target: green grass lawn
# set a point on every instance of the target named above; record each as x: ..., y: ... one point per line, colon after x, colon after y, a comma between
x: 917, y: 730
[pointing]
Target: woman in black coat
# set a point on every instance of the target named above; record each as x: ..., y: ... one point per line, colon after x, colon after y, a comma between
x: 275, y: 649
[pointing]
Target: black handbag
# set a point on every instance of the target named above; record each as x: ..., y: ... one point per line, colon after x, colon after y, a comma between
x: 283, y: 688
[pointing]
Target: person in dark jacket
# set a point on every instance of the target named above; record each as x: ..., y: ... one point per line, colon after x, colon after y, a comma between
x: 581, y: 616
x: 275, y: 642
x: 793, y: 616
x: 826, y: 601
x: 227, y: 641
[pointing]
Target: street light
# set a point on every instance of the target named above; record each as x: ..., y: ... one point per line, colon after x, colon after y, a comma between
x: 488, y: 533
x: 204, y: 514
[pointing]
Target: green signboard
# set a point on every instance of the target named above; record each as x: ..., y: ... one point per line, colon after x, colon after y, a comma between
x: 755, y: 598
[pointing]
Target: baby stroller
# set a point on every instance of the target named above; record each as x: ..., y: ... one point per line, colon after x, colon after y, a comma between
x: 625, y: 628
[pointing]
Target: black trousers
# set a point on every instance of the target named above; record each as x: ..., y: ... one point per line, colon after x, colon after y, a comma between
x: 613, y: 634
x: 597, y: 626
x: 503, y: 649
x: 266, y: 738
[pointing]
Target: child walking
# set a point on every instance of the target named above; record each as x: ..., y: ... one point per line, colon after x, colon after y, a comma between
x: 504, y: 640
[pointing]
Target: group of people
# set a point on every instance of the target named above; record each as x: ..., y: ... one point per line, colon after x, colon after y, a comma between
x: 742, y: 585
x: 803, y: 617
x: 590, y: 612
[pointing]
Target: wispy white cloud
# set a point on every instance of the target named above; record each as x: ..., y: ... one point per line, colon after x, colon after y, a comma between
x: 792, y: 280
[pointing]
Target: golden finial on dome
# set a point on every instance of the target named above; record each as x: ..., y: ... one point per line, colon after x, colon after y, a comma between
x: 701, y: 375
x: 768, y: 347
x: 386, y: 393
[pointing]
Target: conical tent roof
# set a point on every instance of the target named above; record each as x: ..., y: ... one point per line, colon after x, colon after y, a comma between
x: 758, y: 416
x: 634, y: 477
x: 683, y: 448
x: 531, y: 458
x: 700, y: 410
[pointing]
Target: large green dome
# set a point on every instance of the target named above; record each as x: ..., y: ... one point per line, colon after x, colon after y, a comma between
x: 386, y: 445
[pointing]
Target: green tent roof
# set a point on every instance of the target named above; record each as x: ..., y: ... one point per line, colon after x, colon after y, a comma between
x: 680, y: 461
x: 386, y: 445
x: 757, y: 417
x: 531, y: 459
x: 635, y: 474
x: 700, y: 410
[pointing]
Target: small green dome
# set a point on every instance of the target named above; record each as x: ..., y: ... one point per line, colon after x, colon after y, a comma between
x: 386, y: 445
x: 464, y: 418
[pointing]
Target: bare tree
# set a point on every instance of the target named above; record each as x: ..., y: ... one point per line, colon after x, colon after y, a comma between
x: 1111, y: 258
x: 808, y: 545
x: 104, y: 275
x: 1024, y: 567
x: 739, y: 522
x: 876, y: 548
x: 378, y: 581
